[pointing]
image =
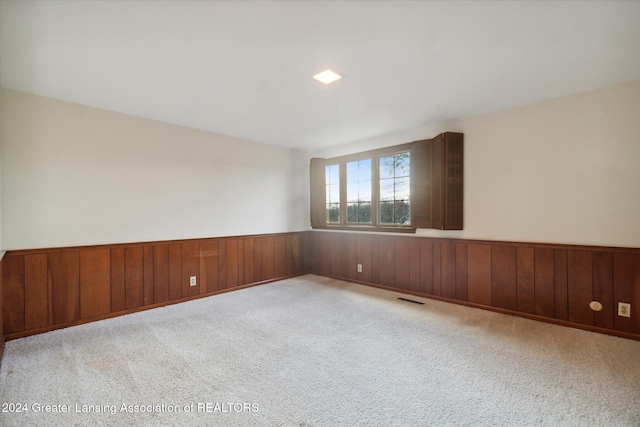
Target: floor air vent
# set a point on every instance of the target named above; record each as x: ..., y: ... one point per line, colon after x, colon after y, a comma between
x: 410, y: 300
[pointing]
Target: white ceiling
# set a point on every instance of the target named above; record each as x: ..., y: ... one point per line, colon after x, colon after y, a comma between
x: 244, y: 68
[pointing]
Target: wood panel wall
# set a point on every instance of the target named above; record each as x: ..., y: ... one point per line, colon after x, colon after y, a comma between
x: 46, y: 289
x: 545, y: 282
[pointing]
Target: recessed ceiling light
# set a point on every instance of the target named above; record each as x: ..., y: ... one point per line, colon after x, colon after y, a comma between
x: 327, y: 76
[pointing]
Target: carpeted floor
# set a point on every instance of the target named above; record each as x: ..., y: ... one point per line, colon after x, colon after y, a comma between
x: 313, y: 351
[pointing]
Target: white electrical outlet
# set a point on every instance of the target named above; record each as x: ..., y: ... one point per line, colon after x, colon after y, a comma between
x: 624, y: 309
x: 359, y: 268
x: 192, y: 281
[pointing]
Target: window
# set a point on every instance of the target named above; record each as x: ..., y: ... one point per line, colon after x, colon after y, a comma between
x: 399, y: 188
x: 394, y: 189
x: 359, y: 192
x: 332, y: 180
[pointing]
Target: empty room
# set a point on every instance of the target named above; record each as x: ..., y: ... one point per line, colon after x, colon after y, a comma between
x: 320, y: 213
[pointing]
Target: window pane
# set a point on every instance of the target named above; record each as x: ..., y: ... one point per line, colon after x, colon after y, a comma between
x: 332, y: 186
x: 386, y: 167
x: 364, y: 213
x: 364, y: 170
x: 386, y: 212
x: 352, y: 212
x: 359, y: 191
x: 333, y: 193
x: 333, y: 174
x: 386, y: 189
x: 401, y: 212
x: 401, y: 162
x: 401, y: 189
x: 364, y: 190
x: 333, y: 212
x: 352, y: 191
x: 395, y: 189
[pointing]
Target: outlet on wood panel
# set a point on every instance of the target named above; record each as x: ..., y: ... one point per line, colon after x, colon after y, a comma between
x: 624, y: 309
x: 192, y: 281
x: 359, y: 268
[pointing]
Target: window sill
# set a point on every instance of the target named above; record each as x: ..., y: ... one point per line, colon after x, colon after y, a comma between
x: 365, y: 228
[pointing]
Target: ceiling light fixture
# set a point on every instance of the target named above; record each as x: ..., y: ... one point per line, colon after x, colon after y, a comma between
x: 327, y: 76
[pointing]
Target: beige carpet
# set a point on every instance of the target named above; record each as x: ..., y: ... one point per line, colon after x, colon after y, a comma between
x: 312, y: 351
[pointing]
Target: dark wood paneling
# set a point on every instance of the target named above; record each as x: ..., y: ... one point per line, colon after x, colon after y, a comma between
x: 352, y: 257
x: 626, y: 289
x: 209, y: 265
x: 190, y: 267
x: 560, y: 284
x: 175, y: 271
x: 160, y: 273
x: 241, y: 279
x: 437, y: 268
x: 249, y: 276
x: 386, y: 261
x: 13, y: 294
x: 544, y: 282
x: 426, y: 266
x: 365, y: 259
x: 579, y: 286
x: 134, y: 276
x: 448, y: 269
x: 258, y: 274
x: 344, y: 255
x: 148, y: 275
x: 402, y: 259
x: 64, y: 286
x: 95, y: 283
x: 36, y: 292
x: 335, y: 255
x: 525, y: 279
x: 414, y: 265
x: 117, y: 280
x: 222, y: 263
x: 603, y: 288
x: 503, y: 277
x: 232, y: 264
x: 289, y: 255
x: 295, y: 255
x: 268, y: 271
x: 45, y: 289
x: 375, y: 260
x: 279, y: 256
x: 479, y: 273
x: 461, y: 272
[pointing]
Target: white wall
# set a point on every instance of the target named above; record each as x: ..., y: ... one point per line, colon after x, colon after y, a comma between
x: 75, y: 175
x: 561, y: 171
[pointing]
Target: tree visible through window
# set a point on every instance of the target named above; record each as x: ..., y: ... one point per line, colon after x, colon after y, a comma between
x: 332, y: 181
x: 395, y: 189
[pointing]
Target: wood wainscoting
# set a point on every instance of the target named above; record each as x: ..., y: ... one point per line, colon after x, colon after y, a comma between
x: 548, y: 282
x: 46, y: 289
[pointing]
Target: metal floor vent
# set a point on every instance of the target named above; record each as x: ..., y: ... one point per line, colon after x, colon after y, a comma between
x: 410, y: 300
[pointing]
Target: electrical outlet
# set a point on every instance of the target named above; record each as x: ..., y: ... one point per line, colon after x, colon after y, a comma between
x: 624, y: 309
x: 359, y: 268
x: 192, y: 281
